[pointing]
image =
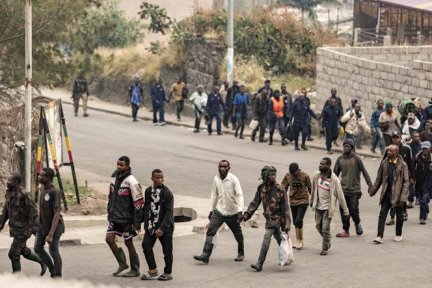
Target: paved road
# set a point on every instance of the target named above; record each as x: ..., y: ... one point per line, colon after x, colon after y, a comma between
x: 190, y: 163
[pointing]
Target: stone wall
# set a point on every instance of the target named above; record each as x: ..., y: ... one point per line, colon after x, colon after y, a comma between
x: 372, y: 73
x: 11, y: 131
x: 204, y: 61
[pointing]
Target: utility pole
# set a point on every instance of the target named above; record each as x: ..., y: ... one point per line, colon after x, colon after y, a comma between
x: 230, y: 53
x: 28, y: 93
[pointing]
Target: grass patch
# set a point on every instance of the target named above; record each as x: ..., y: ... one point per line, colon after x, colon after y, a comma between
x: 69, y: 190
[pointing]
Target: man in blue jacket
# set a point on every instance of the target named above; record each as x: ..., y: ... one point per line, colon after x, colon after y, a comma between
x: 158, y: 101
x: 331, y: 116
x: 300, y: 118
x: 213, y: 109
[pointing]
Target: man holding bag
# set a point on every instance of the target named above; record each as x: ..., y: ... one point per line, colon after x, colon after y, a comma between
x: 276, y: 211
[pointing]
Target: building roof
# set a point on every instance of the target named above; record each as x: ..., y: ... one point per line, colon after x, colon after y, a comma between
x: 422, y: 5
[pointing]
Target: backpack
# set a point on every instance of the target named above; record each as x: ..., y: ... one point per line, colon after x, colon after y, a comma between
x: 80, y: 86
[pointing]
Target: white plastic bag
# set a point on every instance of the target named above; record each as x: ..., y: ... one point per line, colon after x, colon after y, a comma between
x: 253, y: 124
x: 215, y: 241
x: 286, y: 254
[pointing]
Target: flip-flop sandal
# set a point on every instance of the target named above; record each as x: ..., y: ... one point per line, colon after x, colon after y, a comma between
x: 165, y: 277
x: 148, y: 276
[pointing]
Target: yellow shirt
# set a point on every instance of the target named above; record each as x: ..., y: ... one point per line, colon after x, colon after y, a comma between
x: 394, y: 161
x: 177, y: 90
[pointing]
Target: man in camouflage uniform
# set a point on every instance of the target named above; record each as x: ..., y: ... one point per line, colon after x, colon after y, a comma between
x: 80, y: 90
x: 276, y: 211
x: 21, y: 212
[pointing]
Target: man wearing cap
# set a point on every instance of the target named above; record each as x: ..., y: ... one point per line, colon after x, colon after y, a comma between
x: 393, y: 177
x: 412, y: 124
x: 405, y: 152
x: 354, y: 102
x: 326, y: 191
x: 389, y: 122
x: 421, y: 164
x: 349, y: 166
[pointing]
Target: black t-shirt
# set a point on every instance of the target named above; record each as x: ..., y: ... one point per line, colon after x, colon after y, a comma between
x: 422, y: 169
x: 425, y: 136
x: 49, y: 200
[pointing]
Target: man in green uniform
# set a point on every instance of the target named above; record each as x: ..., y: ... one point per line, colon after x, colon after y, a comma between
x: 21, y: 212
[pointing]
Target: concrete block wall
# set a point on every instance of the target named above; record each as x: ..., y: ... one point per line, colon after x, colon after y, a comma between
x: 352, y: 72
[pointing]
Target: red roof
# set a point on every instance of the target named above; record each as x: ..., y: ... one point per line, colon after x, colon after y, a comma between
x: 425, y: 5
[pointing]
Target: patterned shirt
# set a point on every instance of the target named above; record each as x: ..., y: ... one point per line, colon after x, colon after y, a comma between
x: 154, y: 210
x: 323, y: 187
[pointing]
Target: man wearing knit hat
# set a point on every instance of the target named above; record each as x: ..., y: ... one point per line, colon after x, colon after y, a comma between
x: 349, y: 166
x: 276, y: 211
x: 389, y: 123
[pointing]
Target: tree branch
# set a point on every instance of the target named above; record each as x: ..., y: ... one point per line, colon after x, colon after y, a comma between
x: 37, y: 28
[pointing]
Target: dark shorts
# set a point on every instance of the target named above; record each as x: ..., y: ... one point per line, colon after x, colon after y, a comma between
x: 124, y: 230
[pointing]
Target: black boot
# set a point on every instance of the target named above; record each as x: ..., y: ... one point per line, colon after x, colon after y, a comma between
x: 16, y: 266
x: 236, y: 131
x: 253, y: 137
x: 205, y: 256
x: 257, y: 266
x: 34, y: 257
x: 121, y: 259
x: 135, y: 267
x: 270, y: 140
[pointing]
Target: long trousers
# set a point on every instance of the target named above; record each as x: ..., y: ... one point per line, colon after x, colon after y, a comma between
x: 323, y: 221
x: 298, y: 213
x: 233, y: 223
x: 77, y: 98
x: 161, y: 110
x: 167, y: 249
x: 218, y: 123
x: 272, y: 126
x: 56, y: 267
x: 266, y: 242
x: 135, y: 108
x: 304, y: 133
x: 179, y: 106
x: 18, y: 247
x: 352, y: 202
x: 424, y: 205
x: 262, y: 124
x: 385, y: 207
x: 331, y: 135
x: 198, y: 115
x: 378, y: 138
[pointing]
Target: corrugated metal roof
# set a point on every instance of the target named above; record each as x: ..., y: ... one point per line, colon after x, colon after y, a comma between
x: 425, y: 5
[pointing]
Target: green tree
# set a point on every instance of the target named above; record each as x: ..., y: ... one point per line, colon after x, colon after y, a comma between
x: 106, y: 26
x: 160, y: 22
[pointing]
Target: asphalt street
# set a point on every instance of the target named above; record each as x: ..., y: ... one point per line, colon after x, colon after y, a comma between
x: 190, y: 162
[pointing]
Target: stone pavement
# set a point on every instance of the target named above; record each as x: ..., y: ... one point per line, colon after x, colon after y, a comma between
x: 146, y: 115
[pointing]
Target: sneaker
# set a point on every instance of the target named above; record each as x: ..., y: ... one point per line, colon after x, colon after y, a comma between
x: 422, y: 221
x: 359, y: 229
x: 310, y: 139
x: 390, y: 222
x: 398, y: 239
x: 417, y: 202
x: 343, y: 234
x: 378, y: 240
x: 162, y: 124
x: 324, y: 252
x: 155, y: 124
x: 86, y: 115
x: 410, y: 205
x: 220, y: 134
x: 297, y: 148
x: 304, y: 147
x: 373, y: 150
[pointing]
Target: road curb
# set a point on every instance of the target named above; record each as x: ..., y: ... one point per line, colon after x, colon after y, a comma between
x: 318, y: 147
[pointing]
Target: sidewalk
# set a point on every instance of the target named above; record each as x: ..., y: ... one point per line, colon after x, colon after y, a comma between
x: 171, y: 119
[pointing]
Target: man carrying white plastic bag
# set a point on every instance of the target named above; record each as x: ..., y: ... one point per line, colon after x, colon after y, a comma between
x: 276, y: 212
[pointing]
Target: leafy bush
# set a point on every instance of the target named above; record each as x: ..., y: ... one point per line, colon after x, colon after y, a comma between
x: 105, y: 26
x: 277, y: 41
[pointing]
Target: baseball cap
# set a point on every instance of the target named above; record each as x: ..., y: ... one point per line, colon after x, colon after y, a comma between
x: 426, y: 145
x: 396, y: 133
